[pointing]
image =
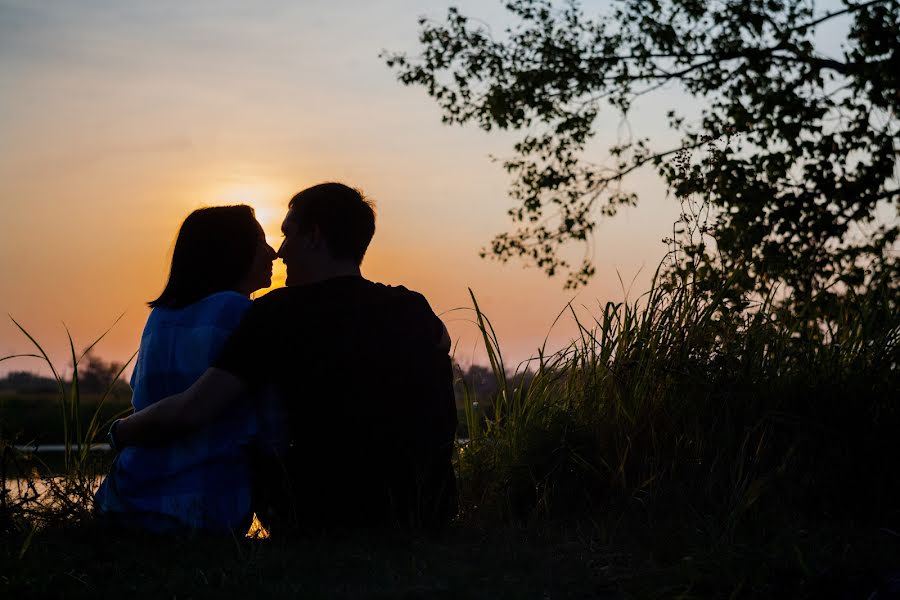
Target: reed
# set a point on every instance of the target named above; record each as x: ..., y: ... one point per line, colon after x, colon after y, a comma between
x: 53, y: 496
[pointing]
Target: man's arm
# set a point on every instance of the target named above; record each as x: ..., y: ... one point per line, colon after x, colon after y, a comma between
x: 181, y: 413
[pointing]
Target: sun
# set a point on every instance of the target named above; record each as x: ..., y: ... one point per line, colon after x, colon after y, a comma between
x: 269, y: 202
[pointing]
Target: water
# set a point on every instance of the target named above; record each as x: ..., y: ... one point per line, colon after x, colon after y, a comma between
x: 44, y: 461
x: 59, y: 448
x: 39, y: 487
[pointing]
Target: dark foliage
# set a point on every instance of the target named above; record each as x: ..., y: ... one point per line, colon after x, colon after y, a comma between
x: 96, y: 375
x: 811, y: 139
x: 24, y: 382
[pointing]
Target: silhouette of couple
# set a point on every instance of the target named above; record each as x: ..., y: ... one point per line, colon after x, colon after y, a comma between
x: 321, y: 406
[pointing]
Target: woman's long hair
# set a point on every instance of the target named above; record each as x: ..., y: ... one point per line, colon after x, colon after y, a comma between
x: 213, y: 252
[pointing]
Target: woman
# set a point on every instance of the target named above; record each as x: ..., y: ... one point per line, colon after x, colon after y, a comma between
x: 202, y: 481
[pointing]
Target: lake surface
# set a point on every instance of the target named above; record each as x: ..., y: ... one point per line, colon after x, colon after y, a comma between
x: 48, y: 459
x: 38, y: 448
x: 39, y: 486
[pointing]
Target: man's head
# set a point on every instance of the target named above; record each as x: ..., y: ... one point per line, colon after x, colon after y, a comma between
x: 327, y: 230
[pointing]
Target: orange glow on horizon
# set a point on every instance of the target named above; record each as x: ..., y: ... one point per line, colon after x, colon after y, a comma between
x: 269, y: 201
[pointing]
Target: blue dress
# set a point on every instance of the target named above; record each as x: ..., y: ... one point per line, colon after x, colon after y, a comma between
x: 203, y: 480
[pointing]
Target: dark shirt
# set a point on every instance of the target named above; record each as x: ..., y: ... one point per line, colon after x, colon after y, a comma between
x: 368, y: 397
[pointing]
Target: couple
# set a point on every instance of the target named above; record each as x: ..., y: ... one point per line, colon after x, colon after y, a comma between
x: 325, y: 405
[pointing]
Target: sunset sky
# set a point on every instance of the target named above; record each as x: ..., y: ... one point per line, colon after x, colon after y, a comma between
x: 119, y: 118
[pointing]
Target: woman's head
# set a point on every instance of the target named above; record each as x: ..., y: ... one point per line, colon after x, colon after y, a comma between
x: 218, y: 248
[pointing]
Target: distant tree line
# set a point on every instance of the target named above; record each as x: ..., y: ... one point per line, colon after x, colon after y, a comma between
x: 95, y: 376
x: 479, y: 383
x: 24, y: 382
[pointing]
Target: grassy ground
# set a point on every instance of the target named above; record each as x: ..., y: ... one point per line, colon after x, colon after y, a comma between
x: 87, y: 563
x: 556, y: 561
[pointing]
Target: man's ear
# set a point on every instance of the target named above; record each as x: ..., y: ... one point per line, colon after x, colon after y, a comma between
x: 313, y: 239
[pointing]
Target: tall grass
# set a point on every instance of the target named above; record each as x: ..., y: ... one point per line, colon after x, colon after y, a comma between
x: 43, y: 496
x: 679, y: 405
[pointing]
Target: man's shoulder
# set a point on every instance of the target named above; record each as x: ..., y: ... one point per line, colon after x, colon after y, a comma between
x: 272, y: 298
x: 269, y: 308
x: 409, y: 310
x: 400, y: 292
x: 359, y: 292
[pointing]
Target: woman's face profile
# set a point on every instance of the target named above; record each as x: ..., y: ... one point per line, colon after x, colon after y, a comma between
x: 260, y: 274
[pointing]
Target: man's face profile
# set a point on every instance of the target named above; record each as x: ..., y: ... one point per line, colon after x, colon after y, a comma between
x: 289, y: 251
x: 300, y: 251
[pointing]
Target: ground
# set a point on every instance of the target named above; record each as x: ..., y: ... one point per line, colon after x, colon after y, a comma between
x: 562, y: 561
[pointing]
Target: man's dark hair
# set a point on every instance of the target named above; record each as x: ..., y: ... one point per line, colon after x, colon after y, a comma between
x: 213, y: 252
x: 345, y: 218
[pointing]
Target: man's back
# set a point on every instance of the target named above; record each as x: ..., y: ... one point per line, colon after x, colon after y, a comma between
x: 368, y: 396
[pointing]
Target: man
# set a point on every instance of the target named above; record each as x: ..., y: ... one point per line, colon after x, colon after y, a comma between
x: 363, y: 373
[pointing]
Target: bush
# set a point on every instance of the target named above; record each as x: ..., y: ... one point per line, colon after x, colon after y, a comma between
x: 690, y: 407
